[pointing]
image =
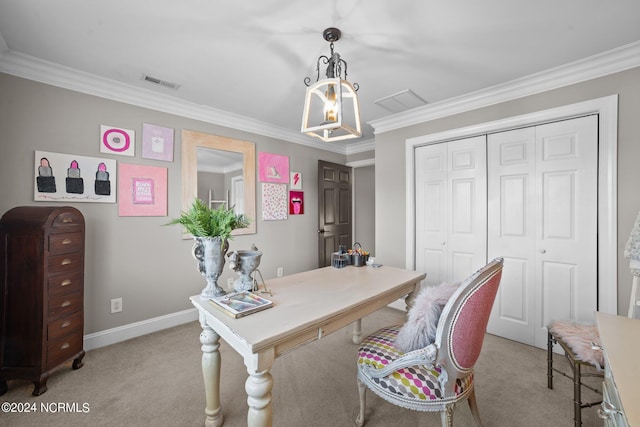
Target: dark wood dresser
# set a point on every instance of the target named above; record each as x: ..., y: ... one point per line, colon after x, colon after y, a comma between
x: 41, y: 293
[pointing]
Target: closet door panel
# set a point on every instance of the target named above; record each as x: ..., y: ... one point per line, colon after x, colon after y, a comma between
x: 542, y: 217
x: 566, y: 176
x: 431, y: 204
x: 434, y: 261
x: 467, y: 213
x: 511, y: 230
x: 512, y: 302
x: 450, y: 209
x: 461, y: 264
x: 559, y: 291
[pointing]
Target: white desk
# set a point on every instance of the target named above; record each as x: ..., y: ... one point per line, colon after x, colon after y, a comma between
x: 307, y: 306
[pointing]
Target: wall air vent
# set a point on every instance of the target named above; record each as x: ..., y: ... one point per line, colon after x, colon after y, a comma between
x: 160, y: 82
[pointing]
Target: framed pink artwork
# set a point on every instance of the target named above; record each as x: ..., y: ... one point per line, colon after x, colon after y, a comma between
x: 296, y: 202
x: 273, y: 168
x: 295, y: 183
x: 143, y: 190
x: 114, y: 140
x: 274, y: 201
x: 157, y: 142
x: 71, y: 178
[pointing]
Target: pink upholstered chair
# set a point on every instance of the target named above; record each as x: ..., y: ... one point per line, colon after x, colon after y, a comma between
x: 434, y: 378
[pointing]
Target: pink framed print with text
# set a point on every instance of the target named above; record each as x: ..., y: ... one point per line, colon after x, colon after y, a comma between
x: 143, y: 190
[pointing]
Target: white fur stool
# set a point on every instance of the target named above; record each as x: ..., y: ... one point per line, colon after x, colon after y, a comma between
x: 581, y: 345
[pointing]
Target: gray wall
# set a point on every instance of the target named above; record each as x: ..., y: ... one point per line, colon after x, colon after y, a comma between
x: 137, y: 258
x: 390, y: 161
x: 364, y: 209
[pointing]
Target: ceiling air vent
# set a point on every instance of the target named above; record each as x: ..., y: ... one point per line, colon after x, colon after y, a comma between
x: 401, y: 101
x: 160, y: 82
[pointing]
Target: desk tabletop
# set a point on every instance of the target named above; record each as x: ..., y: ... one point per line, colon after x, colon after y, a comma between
x: 305, y: 304
x: 621, y: 340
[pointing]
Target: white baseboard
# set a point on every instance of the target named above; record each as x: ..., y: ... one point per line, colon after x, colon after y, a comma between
x: 132, y: 330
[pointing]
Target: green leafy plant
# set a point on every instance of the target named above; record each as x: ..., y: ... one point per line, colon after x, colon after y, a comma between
x: 202, y: 221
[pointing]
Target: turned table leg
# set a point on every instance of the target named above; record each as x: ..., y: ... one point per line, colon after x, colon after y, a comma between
x: 258, y: 387
x: 357, y: 331
x: 211, y: 374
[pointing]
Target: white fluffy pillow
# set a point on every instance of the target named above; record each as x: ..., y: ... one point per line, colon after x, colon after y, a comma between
x: 422, y: 320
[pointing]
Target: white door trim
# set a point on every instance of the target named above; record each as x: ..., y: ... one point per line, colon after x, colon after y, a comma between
x: 607, y: 108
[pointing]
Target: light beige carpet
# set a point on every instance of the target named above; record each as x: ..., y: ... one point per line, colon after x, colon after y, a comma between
x: 156, y: 380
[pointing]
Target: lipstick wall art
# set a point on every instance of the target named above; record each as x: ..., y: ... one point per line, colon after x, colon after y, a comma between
x: 67, y: 177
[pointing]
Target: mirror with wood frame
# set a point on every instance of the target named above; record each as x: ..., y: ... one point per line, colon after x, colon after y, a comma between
x: 216, y: 160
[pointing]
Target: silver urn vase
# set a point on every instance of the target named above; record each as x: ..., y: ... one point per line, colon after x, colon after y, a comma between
x: 210, y: 253
x: 244, y: 262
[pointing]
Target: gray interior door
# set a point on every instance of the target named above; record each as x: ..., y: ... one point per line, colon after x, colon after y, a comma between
x: 334, y: 209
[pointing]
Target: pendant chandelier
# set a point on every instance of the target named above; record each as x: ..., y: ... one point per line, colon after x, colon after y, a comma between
x: 331, y: 110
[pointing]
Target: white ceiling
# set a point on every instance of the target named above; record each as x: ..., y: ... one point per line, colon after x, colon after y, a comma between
x: 250, y: 58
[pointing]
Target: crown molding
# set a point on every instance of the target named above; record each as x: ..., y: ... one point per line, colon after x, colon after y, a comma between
x: 360, y: 146
x: 361, y: 163
x: 32, y: 68
x: 609, y: 62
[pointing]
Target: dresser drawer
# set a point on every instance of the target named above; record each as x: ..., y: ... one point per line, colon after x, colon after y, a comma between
x: 65, y: 304
x: 66, y: 262
x: 60, y: 350
x: 66, y: 242
x: 69, y: 220
x: 61, y: 327
x: 611, y: 408
x: 65, y: 283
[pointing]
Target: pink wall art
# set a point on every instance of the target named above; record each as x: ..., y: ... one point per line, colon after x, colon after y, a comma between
x: 71, y: 178
x: 157, y: 142
x: 274, y: 201
x: 295, y: 181
x: 296, y: 202
x: 143, y: 190
x: 114, y: 140
x: 273, y: 168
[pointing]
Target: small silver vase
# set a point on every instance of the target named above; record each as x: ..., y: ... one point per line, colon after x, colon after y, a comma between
x: 210, y: 253
x: 245, y: 263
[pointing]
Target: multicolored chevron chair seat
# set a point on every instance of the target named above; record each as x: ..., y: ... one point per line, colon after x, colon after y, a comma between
x: 437, y: 377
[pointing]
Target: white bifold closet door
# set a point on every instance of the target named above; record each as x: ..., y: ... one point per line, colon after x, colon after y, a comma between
x: 451, y: 221
x: 542, y: 218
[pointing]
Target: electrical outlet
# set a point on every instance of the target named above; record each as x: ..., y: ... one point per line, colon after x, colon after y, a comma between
x: 280, y: 272
x: 116, y: 305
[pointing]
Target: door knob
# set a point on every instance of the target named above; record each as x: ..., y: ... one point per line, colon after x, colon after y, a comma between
x: 543, y: 251
x: 321, y: 231
x: 443, y: 243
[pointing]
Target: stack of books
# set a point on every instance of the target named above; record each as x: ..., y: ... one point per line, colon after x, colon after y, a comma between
x: 239, y: 304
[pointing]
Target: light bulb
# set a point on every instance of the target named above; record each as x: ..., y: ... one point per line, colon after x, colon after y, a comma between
x: 331, y: 105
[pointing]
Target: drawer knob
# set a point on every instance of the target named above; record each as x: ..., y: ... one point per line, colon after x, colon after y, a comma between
x: 65, y: 261
x: 65, y: 325
x: 64, y: 346
x: 66, y: 241
x: 65, y: 282
x: 67, y: 303
x: 67, y: 220
x: 607, y: 410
